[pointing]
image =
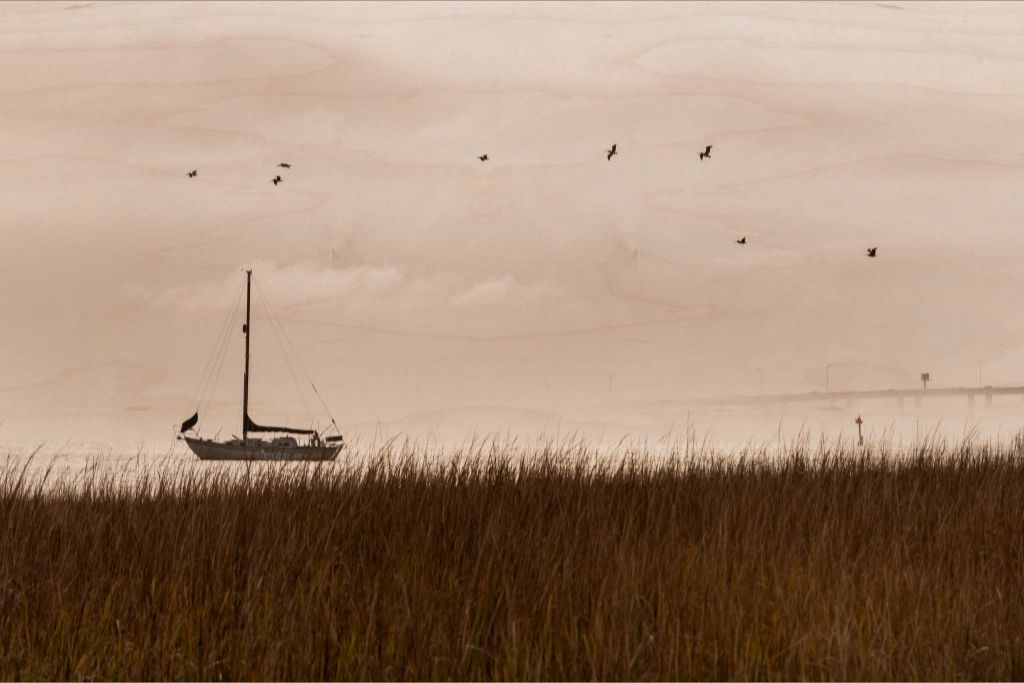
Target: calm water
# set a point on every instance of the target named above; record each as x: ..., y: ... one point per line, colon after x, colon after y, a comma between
x: 659, y: 431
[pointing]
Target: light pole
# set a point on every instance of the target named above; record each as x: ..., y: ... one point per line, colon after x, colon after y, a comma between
x: 827, y: 369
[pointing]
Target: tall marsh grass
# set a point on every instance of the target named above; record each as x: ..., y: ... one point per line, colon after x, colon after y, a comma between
x: 508, y: 562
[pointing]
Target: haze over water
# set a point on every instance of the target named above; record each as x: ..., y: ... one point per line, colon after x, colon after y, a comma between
x: 547, y: 290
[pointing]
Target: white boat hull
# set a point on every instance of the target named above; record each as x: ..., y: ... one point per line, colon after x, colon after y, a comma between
x: 215, y: 450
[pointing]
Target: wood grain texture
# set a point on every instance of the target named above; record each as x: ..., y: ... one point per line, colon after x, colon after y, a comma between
x: 546, y: 287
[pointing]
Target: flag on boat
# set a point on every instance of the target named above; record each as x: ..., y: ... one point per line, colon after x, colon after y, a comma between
x: 189, y: 423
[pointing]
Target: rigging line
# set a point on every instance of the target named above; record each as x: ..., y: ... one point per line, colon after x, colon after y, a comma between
x: 223, y: 340
x: 222, y: 343
x: 223, y: 354
x: 207, y: 394
x: 277, y: 335
x: 298, y: 359
x: 315, y: 390
x: 284, y: 353
x: 216, y: 362
x: 283, y: 336
x: 302, y: 366
x: 324, y: 404
x: 204, y: 376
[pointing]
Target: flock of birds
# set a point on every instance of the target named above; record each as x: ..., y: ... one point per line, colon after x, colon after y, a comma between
x: 872, y: 252
x: 276, y: 179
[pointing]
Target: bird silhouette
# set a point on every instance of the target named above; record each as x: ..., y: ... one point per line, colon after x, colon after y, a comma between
x: 193, y: 174
x: 284, y: 165
x: 742, y: 240
x: 706, y: 153
x: 872, y: 252
x: 483, y: 157
x: 612, y: 152
x: 276, y: 180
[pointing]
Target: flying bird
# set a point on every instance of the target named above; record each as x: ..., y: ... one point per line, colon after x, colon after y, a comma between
x: 742, y: 240
x: 612, y: 152
x: 706, y: 153
x: 284, y: 165
x: 483, y: 157
x: 193, y: 173
x: 276, y: 180
x: 872, y: 252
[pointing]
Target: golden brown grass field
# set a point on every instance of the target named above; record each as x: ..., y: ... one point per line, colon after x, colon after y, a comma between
x: 512, y: 562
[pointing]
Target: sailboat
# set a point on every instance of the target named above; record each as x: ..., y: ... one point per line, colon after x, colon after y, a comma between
x: 282, y: 447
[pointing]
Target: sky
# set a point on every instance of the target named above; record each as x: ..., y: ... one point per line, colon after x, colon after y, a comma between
x: 547, y: 289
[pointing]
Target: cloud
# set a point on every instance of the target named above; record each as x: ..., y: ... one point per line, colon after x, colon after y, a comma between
x: 499, y: 291
x: 369, y: 293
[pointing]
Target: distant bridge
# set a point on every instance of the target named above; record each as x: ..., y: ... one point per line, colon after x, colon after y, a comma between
x: 898, y: 395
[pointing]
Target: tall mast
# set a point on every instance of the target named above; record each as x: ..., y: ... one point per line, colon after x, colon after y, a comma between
x: 245, y: 389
